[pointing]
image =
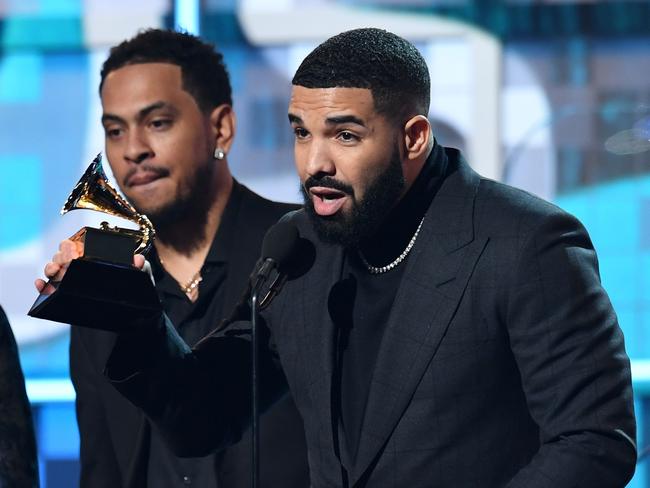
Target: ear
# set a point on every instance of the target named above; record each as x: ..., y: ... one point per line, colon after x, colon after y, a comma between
x: 222, y: 123
x: 417, y: 138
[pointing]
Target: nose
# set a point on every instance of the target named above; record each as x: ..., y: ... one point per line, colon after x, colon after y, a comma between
x: 318, y: 159
x: 137, y: 148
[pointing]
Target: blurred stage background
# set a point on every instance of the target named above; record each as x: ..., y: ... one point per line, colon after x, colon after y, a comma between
x: 550, y: 96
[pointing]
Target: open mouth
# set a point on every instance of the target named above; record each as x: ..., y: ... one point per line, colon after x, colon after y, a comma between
x: 327, y: 201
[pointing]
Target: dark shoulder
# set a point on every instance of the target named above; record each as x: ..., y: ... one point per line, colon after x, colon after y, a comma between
x: 255, y: 216
x: 7, y: 341
x: 262, y: 210
x: 506, y: 208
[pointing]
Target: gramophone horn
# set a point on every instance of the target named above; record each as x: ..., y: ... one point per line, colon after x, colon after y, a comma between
x: 94, y: 192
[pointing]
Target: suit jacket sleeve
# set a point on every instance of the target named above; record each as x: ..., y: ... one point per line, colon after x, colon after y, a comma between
x: 99, y: 467
x: 198, y: 398
x: 575, y: 373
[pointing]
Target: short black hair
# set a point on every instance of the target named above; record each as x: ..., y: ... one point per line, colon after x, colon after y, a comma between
x: 203, y: 72
x: 386, y: 64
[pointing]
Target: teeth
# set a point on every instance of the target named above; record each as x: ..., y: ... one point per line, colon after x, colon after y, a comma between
x: 328, y: 197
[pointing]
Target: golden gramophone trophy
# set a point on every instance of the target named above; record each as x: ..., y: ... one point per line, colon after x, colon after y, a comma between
x: 102, y: 289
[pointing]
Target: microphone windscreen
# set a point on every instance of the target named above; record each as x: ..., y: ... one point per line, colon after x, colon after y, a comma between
x: 280, y: 243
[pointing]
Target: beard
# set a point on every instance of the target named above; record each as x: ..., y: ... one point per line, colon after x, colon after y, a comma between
x: 366, y: 215
x: 181, y: 221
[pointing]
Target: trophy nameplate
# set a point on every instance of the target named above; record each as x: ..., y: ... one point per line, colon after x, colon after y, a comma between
x: 102, y: 289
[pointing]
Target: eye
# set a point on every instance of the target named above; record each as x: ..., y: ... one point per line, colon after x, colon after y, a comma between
x: 113, y: 132
x: 159, y: 124
x: 347, y: 136
x: 300, y: 132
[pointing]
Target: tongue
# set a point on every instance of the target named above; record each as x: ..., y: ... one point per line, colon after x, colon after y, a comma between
x: 327, y: 206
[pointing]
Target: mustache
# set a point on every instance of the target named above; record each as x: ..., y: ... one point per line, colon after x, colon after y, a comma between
x: 145, y: 168
x: 327, y: 182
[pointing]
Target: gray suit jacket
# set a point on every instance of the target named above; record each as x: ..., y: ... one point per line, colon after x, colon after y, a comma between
x: 502, y: 363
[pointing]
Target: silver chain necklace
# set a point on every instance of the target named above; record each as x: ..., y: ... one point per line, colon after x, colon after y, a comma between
x: 382, y: 269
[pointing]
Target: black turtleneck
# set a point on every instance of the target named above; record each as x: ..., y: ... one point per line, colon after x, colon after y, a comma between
x: 363, y: 301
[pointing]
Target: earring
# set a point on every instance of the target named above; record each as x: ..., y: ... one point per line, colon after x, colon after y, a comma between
x: 219, y: 153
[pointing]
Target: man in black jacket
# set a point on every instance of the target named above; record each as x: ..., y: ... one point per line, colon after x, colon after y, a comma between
x: 451, y: 332
x: 169, y: 125
x: 18, y: 465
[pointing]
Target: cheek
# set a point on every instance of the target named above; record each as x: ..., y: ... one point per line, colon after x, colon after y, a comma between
x: 184, y: 141
x: 118, y: 169
x: 355, y: 169
x: 112, y: 153
x: 300, y: 164
x: 361, y: 173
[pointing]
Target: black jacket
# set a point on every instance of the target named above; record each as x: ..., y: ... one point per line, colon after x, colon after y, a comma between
x: 114, y: 433
x: 18, y: 466
x: 502, y: 363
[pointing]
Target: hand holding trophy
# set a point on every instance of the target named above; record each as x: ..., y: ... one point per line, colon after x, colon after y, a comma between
x: 102, y: 288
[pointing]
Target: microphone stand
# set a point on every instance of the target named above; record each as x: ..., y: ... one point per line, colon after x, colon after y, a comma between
x: 279, y: 243
x: 255, y: 432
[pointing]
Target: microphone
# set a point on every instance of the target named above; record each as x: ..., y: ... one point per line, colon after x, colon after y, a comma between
x: 285, y: 255
x: 279, y: 245
x: 280, y: 255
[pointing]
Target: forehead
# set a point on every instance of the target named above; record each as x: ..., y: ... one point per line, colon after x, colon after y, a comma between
x: 320, y: 103
x: 139, y: 83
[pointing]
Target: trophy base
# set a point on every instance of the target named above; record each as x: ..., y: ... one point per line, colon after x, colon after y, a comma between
x: 100, y: 295
x: 111, y: 245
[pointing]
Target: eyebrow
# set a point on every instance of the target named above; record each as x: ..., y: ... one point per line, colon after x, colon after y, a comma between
x: 141, y: 114
x: 294, y: 119
x: 344, y: 119
x: 336, y: 120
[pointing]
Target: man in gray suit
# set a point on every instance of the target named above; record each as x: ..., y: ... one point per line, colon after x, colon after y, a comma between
x: 451, y: 332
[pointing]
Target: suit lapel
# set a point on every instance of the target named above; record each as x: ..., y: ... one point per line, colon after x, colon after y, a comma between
x: 435, y: 278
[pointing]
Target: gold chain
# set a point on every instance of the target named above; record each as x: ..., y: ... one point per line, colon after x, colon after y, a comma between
x: 191, y: 287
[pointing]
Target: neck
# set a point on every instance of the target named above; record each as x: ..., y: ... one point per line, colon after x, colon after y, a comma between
x: 402, y: 222
x: 184, y: 244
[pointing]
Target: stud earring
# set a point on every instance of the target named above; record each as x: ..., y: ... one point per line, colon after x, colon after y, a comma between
x: 219, y: 153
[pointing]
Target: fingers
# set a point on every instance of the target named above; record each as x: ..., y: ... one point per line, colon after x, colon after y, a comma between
x: 68, y: 250
x: 55, y: 269
x: 39, y: 284
x: 52, y: 270
x: 44, y: 287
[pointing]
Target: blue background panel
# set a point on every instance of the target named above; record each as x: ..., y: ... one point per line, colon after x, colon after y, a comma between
x: 21, y: 77
x: 47, y: 33
x: 21, y: 192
